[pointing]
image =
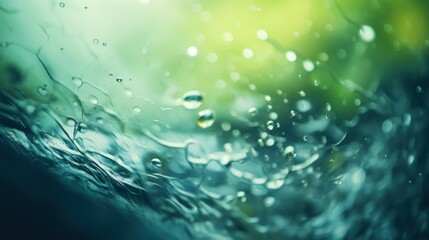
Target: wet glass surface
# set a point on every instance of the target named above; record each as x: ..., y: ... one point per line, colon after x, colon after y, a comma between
x: 236, y: 119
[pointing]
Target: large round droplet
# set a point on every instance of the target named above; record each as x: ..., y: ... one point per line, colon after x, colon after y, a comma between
x: 192, y: 99
x: 206, y: 118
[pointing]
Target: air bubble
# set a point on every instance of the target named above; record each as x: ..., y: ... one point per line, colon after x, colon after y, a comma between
x: 192, y: 99
x: 206, y: 118
x: 119, y: 80
x: 62, y: 4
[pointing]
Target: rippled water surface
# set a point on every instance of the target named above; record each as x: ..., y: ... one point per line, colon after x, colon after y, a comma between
x: 228, y: 119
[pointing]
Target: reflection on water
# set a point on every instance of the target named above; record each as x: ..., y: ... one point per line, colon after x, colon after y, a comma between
x: 240, y: 135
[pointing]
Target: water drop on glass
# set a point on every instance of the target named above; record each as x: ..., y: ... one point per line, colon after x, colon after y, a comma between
x: 137, y: 109
x: 156, y: 163
x: 192, y: 99
x: 82, y: 128
x: 289, y: 153
x: 270, y: 142
x: 308, y: 65
x: 42, y: 91
x: 270, y: 125
x: 192, y: 51
x: 303, y: 105
x: 247, y: 53
x: 262, y: 34
x: 206, y: 118
x: 269, y: 201
x: 291, y: 56
x: 252, y: 111
x: 70, y: 122
x: 366, y: 33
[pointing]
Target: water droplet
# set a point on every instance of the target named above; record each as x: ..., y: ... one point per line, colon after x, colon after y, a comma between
x: 42, y: 91
x: 387, y: 126
x: 95, y: 41
x: 119, y: 80
x: 137, y: 109
x: 100, y: 120
x: 301, y: 93
x: 308, y: 65
x: 270, y: 125
x: 273, y: 115
x: 192, y: 99
x: 77, y: 81
x: 366, y: 33
x: 262, y: 34
x: 62, y: 4
x: 418, y: 89
x: 104, y: 44
x: 270, y: 142
x: 292, y: 113
x: 192, y: 51
x: 247, y: 53
x: 156, y: 163
x: 303, y: 105
x: 206, y: 118
x: 93, y: 100
x: 328, y: 107
x: 291, y: 56
x: 252, y: 111
x: 289, y: 153
x: 269, y: 201
x: 275, y: 184
x: 71, y: 122
x: 226, y: 126
x: 82, y: 128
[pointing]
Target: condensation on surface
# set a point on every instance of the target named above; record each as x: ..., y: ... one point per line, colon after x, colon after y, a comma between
x: 219, y: 120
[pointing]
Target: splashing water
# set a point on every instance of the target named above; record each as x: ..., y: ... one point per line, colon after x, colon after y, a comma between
x: 271, y: 155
